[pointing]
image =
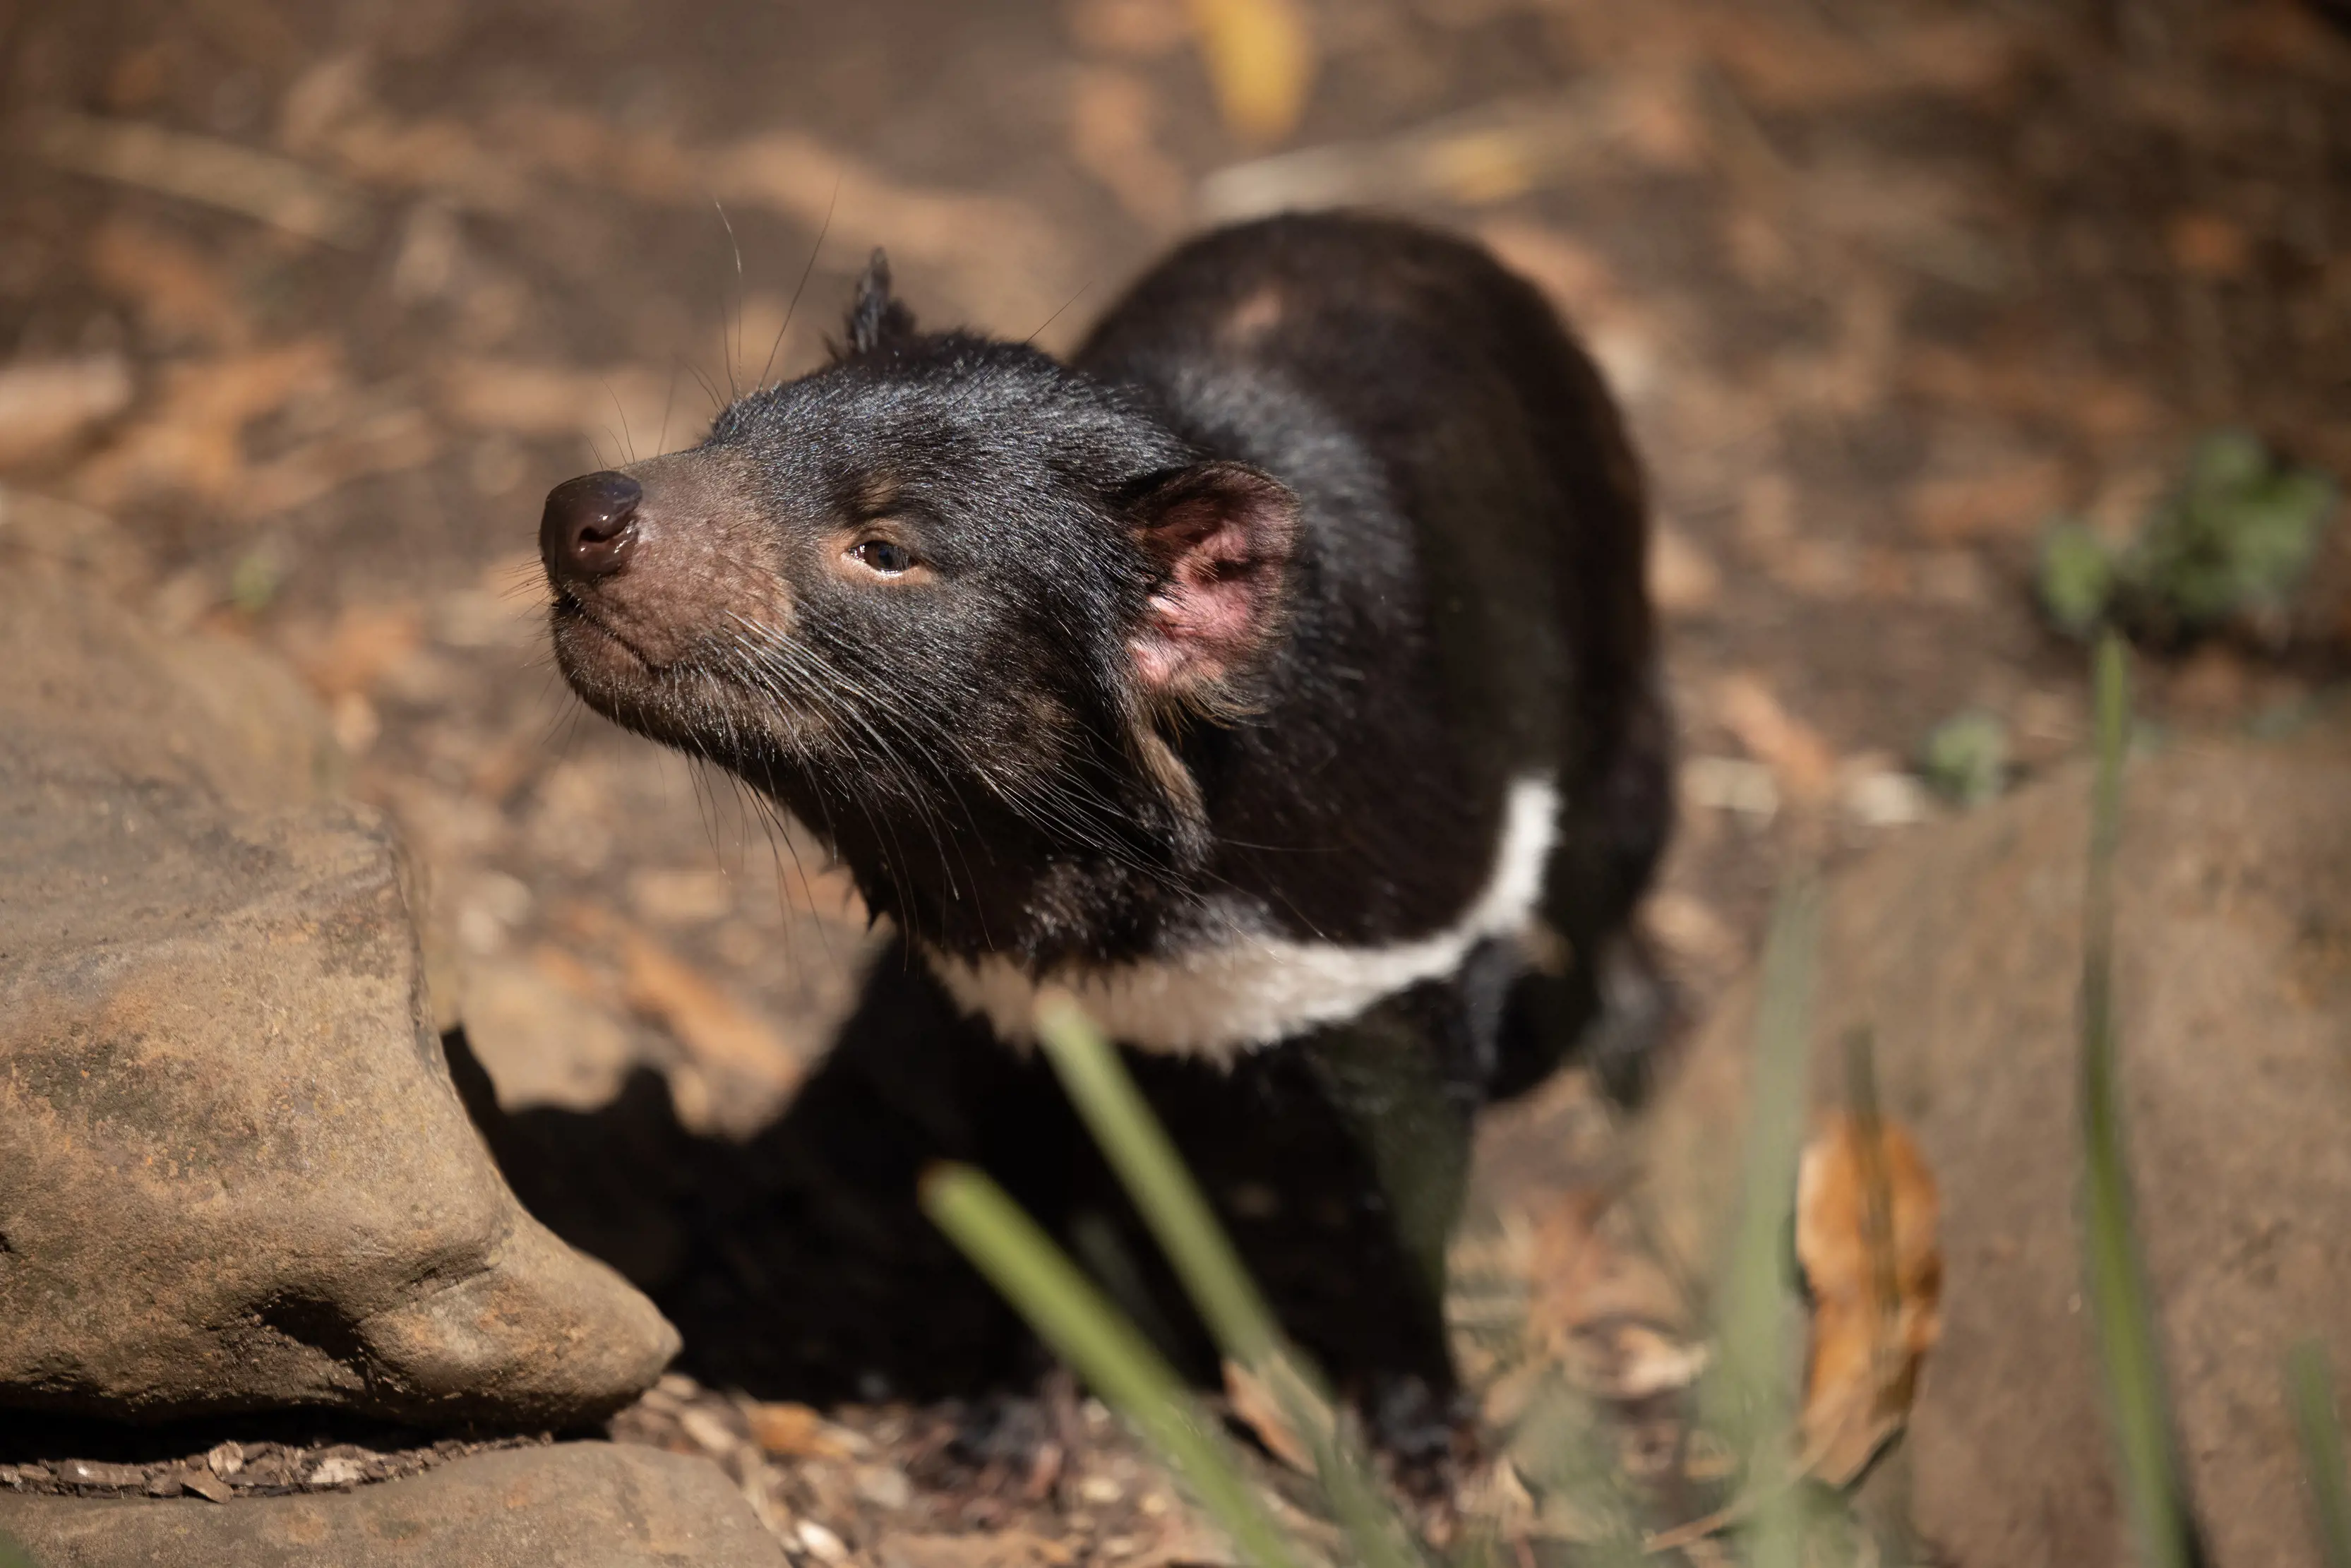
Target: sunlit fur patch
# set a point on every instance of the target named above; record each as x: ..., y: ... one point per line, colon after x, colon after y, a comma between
x: 1258, y: 314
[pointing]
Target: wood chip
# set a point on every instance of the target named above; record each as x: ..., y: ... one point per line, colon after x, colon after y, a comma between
x: 790, y: 1431
x: 708, y: 1430
x: 819, y: 1542
x: 337, y: 1470
x: 95, y: 1473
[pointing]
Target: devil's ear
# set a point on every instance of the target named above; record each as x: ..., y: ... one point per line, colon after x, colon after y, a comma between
x: 1222, y: 536
x: 875, y: 319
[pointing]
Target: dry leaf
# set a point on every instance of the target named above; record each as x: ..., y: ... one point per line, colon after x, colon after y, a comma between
x: 1258, y: 1410
x: 367, y: 640
x: 179, y: 291
x: 1865, y: 1213
x: 49, y: 404
x: 1261, y: 58
x: 1587, y: 1290
x: 277, y: 190
x: 500, y: 168
x: 193, y: 439
x: 719, y: 1032
x: 790, y: 1431
x: 1488, y: 153
x: 1801, y: 760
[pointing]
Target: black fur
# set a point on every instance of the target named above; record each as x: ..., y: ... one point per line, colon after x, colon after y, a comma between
x: 1410, y: 531
x: 874, y: 318
x: 1463, y: 603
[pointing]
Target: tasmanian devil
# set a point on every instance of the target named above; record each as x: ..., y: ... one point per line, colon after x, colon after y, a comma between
x: 1277, y: 672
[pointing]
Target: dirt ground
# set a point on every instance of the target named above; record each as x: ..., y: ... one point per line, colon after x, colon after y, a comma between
x: 1883, y: 287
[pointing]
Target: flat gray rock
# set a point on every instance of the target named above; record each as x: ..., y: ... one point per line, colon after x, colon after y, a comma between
x: 233, y: 1173
x: 579, y: 1505
x: 1959, y: 948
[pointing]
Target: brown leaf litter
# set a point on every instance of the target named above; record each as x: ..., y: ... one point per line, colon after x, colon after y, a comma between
x: 1865, y: 1213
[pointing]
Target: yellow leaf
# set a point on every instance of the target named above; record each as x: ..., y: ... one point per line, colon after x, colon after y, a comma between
x: 1261, y: 58
x: 1865, y: 1213
x: 1256, y: 1405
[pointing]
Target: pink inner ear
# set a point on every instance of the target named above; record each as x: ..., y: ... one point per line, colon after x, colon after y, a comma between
x: 1224, y: 546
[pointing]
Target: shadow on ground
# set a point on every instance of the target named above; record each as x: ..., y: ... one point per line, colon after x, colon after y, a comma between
x: 798, y: 1266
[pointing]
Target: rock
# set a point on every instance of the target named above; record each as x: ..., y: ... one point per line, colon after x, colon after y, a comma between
x: 582, y: 1505
x: 1959, y: 949
x: 193, y: 711
x: 233, y: 1173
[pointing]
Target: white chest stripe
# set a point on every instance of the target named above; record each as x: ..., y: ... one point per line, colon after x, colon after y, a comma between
x: 1251, y: 990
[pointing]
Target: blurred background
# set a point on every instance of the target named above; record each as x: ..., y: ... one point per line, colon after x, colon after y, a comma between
x: 304, y: 307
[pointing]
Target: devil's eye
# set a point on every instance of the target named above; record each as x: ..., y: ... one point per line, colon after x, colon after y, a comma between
x: 887, y: 558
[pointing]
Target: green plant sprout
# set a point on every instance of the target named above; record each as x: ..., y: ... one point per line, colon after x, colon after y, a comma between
x: 2310, y: 1392
x: 2122, y: 1311
x: 2229, y: 543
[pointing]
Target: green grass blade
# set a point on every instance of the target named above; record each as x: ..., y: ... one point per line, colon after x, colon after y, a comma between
x: 1212, y: 1274
x: 1155, y: 1177
x: 1091, y: 1334
x: 1757, y: 1291
x: 2310, y: 1393
x: 13, y: 1555
x: 2122, y: 1314
x: 1750, y: 1399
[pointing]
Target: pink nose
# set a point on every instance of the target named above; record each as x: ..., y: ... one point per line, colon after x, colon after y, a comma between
x: 589, y: 529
